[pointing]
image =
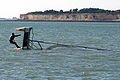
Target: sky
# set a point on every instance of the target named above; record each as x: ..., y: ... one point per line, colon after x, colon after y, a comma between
x: 13, y: 8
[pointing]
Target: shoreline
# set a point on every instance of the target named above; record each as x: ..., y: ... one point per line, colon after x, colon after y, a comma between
x: 55, y: 21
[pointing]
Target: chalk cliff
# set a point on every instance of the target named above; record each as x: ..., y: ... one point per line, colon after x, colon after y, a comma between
x: 72, y: 17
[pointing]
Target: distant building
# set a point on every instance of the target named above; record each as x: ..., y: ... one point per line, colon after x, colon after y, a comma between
x: 14, y: 18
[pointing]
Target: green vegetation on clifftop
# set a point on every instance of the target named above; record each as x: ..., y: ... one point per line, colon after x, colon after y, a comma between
x: 71, y: 11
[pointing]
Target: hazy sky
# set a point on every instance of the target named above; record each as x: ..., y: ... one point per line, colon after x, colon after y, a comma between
x: 13, y: 8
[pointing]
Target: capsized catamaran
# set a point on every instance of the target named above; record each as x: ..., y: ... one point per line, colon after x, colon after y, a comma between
x: 27, y: 41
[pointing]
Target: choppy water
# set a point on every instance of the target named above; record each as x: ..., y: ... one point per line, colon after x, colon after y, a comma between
x: 62, y: 63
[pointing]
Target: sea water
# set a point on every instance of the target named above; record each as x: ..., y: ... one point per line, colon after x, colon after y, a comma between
x: 62, y: 63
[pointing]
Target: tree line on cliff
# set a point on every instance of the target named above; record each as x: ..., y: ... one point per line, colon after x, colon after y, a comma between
x: 71, y: 11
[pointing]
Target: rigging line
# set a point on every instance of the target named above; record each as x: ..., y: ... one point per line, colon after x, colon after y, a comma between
x: 33, y: 44
x: 30, y: 46
x: 40, y: 45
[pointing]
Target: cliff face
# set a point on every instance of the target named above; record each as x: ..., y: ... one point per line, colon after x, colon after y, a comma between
x: 72, y: 17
